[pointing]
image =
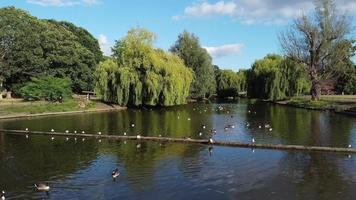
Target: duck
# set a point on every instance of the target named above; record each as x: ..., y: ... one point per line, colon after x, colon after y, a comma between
x: 42, y: 187
x: 159, y: 135
x: 138, y: 146
x: 259, y: 126
x: 75, y: 139
x: 83, y: 139
x: 115, y: 173
x: 3, y: 195
x: 75, y: 132
x: 99, y: 140
x: 226, y: 128
x: 270, y: 129
x: 188, y: 119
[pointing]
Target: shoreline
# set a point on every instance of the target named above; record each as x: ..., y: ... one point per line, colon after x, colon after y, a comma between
x: 24, y: 115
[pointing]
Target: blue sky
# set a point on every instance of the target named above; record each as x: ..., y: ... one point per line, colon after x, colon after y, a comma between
x: 235, y: 32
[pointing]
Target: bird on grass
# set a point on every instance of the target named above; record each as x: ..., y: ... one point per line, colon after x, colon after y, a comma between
x: 42, y: 187
x: 115, y: 173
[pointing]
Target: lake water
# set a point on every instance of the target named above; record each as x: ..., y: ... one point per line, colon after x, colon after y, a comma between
x: 150, y: 170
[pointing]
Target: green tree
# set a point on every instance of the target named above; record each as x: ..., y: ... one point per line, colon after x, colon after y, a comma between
x: 319, y: 42
x: 230, y: 83
x: 140, y: 74
x: 197, y: 58
x: 32, y: 48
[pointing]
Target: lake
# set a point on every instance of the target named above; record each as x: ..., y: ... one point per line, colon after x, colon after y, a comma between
x: 151, y: 170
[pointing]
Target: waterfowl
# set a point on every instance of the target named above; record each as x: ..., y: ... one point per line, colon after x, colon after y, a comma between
x: 26, y: 136
x: 267, y: 126
x: 270, y: 129
x: 115, y: 173
x: 52, y: 130
x: 83, y: 139
x: 75, y: 139
x: 99, y: 140
x: 259, y: 126
x: 83, y: 132
x: 67, y: 139
x: 138, y: 146
x: 42, y: 187
x: 247, y: 124
x: 124, y: 133
x: 204, y: 126
x: 178, y: 117
x: 99, y: 133
x: 138, y: 136
x: 26, y: 129
x: 188, y: 119
x: 200, y: 133
x: 3, y: 195
x: 211, y: 140
x: 75, y: 132
x: 350, y: 146
x: 253, y: 140
x: 132, y: 125
x: 52, y: 138
x: 159, y: 135
x: 67, y: 131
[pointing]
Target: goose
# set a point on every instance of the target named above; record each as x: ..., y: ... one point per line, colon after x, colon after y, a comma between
x: 42, y: 187
x: 115, y: 173
x: 253, y: 140
x: 3, y: 195
x: 52, y: 130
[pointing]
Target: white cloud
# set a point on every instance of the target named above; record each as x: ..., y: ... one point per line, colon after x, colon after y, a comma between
x: 105, y: 45
x: 224, y: 50
x: 258, y: 11
x: 60, y: 3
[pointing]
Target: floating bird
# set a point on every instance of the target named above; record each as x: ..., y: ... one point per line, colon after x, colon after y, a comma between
x: 188, y: 119
x: 232, y: 126
x: 249, y: 111
x: 67, y: 139
x: 52, y: 138
x: 132, y: 125
x: 52, y: 130
x: 125, y: 142
x: 26, y: 136
x: 75, y: 139
x: 211, y: 140
x: 200, y: 133
x: 124, y: 133
x: 159, y: 135
x: 67, y: 131
x: 99, y: 140
x: 42, y: 187
x: 204, y: 126
x: 115, y: 173
x: 267, y: 126
x: 253, y: 140
x: 99, y: 133
x: 270, y: 129
x: 259, y: 126
x: 247, y: 124
x: 138, y: 146
x: 3, y: 195
x: 75, y: 132
x: 350, y: 146
x: 83, y: 132
x: 83, y: 139
x: 226, y: 128
x: 26, y: 129
x: 138, y: 136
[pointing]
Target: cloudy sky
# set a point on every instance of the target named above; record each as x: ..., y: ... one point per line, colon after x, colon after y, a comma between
x: 235, y: 32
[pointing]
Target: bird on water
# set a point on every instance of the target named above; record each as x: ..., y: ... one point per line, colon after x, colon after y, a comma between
x: 42, y: 187
x: 115, y: 173
x: 3, y: 195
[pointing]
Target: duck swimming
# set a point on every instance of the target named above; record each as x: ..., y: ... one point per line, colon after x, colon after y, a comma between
x: 115, y: 173
x: 3, y: 195
x: 42, y: 187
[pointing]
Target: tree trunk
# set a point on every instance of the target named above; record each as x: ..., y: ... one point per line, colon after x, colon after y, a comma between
x: 315, y: 90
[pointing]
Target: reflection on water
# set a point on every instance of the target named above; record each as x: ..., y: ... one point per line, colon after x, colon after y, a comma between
x: 151, y: 170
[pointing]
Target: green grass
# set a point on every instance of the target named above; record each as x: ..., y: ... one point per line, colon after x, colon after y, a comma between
x: 330, y: 102
x: 43, y: 107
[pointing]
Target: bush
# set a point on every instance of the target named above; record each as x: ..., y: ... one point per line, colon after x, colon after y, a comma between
x: 47, y: 88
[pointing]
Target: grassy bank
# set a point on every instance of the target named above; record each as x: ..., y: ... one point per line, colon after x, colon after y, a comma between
x: 18, y: 107
x: 327, y: 102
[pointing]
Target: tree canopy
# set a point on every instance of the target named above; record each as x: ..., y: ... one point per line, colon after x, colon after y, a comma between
x: 230, y: 83
x: 197, y: 58
x: 139, y: 74
x: 32, y: 47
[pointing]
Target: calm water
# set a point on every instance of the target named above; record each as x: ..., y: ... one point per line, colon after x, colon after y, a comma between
x: 81, y: 170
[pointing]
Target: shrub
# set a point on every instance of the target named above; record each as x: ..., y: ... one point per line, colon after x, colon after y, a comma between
x: 47, y: 88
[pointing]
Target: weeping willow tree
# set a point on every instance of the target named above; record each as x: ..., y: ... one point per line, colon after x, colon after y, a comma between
x: 230, y: 83
x: 139, y: 74
x: 276, y: 78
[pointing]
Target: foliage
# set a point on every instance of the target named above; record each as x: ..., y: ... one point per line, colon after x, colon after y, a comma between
x: 319, y: 42
x: 48, y: 88
x: 276, y: 78
x: 32, y: 48
x: 230, y: 83
x: 139, y: 74
x: 197, y: 58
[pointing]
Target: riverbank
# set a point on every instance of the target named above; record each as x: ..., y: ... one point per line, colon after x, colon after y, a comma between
x: 344, y: 104
x: 17, y: 108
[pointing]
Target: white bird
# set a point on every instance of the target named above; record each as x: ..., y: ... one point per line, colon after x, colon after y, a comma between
x: 253, y: 140
x: 124, y: 133
x: 232, y: 126
x: 83, y: 132
x: 83, y: 139
x: 75, y: 139
x: 204, y: 126
x: 52, y: 130
x: 115, y: 173
x: 52, y: 138
x: 350, y: 146
x: 270, y: 129
x: 42, y: 187
x: 26, y: 129
x: 67, y: 131
x: 26, y: 136
x: 211, y: 140
x: 99, y: 133
x: 247, y: 124
x: 259, y: 126
x: 138, y: 136
x: 132, y: 125
x: 75, y: 132
x: 200, y: 133
x: 138, y: 146
x: 178, y: 117
x: 99, y: 140
x: 188, y: 119
x: 159, y: 135
x: 3, y: 195
x: 67, y: 139
x: 125, y: 142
